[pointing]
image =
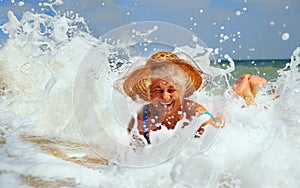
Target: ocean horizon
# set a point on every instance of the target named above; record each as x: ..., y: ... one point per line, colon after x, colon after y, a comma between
x: 267, y: 68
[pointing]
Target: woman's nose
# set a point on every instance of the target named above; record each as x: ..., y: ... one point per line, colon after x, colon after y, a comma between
x: 166, y: 95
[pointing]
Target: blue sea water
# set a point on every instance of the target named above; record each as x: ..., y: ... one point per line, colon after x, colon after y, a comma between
x: 266, y: 68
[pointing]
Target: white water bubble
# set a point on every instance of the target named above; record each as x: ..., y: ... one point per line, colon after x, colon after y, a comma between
x: 201, y: 11
x: 195, y: 24
x: 286, y: 7
x: 191, y: 18
x: 214, y: 23
x: 21, y: 3
x: 233, y: 39
x: 272, y: 23
x: 195, y: 38
x: 245, y: 9
x: 216, y: 51
x: 127, y: 13
x: 222, y: 27
x: 238, y: 13
x: 285, y: 36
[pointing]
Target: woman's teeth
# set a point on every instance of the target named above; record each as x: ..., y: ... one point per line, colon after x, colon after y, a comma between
x: 166, y: 104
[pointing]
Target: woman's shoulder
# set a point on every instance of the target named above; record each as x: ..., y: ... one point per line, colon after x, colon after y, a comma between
x: 190, y: 103
x: 192, y: 106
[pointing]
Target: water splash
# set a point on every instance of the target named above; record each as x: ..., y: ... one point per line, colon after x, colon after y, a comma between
x: 38, y: 66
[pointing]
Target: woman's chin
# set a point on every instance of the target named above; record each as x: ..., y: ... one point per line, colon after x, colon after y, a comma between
x: 165, y: 109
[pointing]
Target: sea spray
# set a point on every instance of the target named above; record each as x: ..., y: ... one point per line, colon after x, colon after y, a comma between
x: 38, y: 68
x: 99, y: 117
x: 257, y: 147
x: 250, y: 152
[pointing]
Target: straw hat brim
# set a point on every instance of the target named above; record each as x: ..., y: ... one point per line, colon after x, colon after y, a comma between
x: 137, y: 82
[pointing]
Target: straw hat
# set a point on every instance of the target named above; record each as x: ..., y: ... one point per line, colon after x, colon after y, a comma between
x: 163, y: 65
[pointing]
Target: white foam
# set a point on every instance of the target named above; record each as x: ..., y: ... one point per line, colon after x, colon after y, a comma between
x: 256, y: 148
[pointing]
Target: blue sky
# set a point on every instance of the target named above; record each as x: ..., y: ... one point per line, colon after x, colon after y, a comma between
x: 252, y: 28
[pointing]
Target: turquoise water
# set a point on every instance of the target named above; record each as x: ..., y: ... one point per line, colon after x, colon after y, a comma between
x: 267, y: 68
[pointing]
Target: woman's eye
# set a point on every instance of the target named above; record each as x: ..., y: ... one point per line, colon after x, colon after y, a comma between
x: 157, y: 92
x: 171, y: 90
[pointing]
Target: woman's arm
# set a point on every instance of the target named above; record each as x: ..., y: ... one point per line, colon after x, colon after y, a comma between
x: 217, y: 121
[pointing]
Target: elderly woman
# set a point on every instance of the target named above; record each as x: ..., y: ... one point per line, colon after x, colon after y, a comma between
x: 164, y: 83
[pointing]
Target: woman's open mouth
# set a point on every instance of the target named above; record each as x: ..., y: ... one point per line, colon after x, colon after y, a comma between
x: 165, y: 104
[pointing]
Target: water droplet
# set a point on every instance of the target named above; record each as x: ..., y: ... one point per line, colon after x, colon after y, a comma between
x: 285, y: 36
x: 21, y: 3
x: 238, y: 13
x: 195, y: 39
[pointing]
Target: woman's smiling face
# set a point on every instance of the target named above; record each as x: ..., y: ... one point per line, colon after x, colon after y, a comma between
x: 166, y: 97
